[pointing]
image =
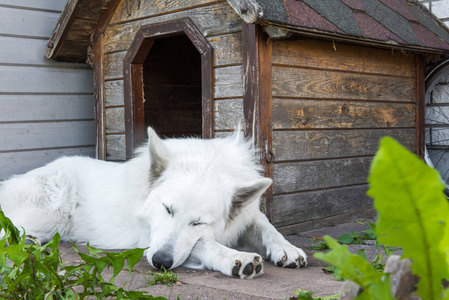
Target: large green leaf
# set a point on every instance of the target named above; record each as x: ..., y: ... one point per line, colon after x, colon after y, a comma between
x: 412, y: 212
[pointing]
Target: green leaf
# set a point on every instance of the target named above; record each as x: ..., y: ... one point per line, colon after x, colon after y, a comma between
x: 412, y: 212
x: 345, y: 238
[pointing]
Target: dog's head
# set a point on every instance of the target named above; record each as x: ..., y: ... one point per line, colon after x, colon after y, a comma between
x: 195, y: 194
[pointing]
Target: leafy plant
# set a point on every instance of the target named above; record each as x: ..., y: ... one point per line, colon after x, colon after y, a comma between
x: 305, y: 295
x: 319, y: 244
x: 163, y: 277
x: 37, y: 272
x: 412, y: 214
x: 357, y: 238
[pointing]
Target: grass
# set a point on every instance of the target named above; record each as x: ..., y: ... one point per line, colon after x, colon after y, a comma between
x: 162, y: 277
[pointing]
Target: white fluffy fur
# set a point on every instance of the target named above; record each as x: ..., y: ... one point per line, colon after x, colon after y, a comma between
x: 188, y: 200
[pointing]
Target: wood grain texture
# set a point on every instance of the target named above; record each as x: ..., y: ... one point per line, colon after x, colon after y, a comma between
x: 128, y: 11
x: 113, y: 65
x: 303, y: 207
x: 211, y: 20
x: 116, y: 147
x: 228, y: 82
x: 228, y: 113
x: 114, y: 93
x: 330, y: 55
x: 227, y: 49
x: 322, y: 114
x: 23, y: 136
x: 311, y: 83
x: 313, y: 175
x: 14, y: 163
x: 318, y: 144
x: 115, y: 120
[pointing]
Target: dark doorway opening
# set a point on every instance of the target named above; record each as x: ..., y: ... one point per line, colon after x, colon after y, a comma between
x: 172, y: 88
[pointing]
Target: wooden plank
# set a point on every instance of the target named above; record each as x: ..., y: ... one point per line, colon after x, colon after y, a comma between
x: 211, y: 20
x: 116, y: 147
x: 19, y: 108
x: 29, y: 23
x: 310, y: 83
x: 313, y: 175
x: 41, y: 4
x: 127, y: 11
x: 175, y: 122
x: 24, y: 51
x: 14, y: 163
x: 338, y: 56
x: 369, y: 214
x: 81, y: 29
x: 227, y: 49
x: 228, y: 113
x: 22, y: 136
x: 115, y: 120
x: 303, y: 207
x: 321, y: 114
x: 228, y: 82
x: 114, y: 94
x: 57, y: 80
x: 113, y: 65
x: 318, y: 144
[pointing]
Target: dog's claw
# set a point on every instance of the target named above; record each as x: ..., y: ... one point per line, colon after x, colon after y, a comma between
x: 236, y: 269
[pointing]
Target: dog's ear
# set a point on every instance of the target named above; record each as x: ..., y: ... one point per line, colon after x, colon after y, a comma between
x: 159, y: 155
x: 247, y: 194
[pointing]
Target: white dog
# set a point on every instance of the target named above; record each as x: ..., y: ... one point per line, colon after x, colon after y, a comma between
x: 188, y: 200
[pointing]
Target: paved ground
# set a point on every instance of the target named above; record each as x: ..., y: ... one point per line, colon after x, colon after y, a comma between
x: 275, y: 283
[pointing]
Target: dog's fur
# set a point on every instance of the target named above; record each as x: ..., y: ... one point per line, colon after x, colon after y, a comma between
x: 188, y: 200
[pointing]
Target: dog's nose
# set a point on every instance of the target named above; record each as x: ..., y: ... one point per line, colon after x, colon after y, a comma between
x: 160, y: 260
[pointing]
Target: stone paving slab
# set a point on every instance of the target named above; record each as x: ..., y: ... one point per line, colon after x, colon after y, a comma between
x: 275, y: 283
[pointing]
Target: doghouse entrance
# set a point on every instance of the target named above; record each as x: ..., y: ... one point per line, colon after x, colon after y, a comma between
x: 172, y: 88
x: 167, y: 74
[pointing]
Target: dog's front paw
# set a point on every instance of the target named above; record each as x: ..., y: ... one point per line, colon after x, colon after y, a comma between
x: 247, y: 266
x: 289, y: 256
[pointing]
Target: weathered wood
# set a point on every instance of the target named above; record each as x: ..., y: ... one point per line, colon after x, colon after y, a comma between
x: 227, y: 49
x: 115, y: 120
x: 98, y: 61
x: 313, y: 175
x: 53, y: 5
x: 131, y: 10
x: 25, y: 108
x: 73, y: 51
x: 369, y: 214
x: 29, y: 80
x: 38, y: 24
x: 23, y: 136
x: 113, y: 65
x: 317, y: 144
x: 115, y: 147
x: 228, y: 82
x: 228, y: 113
x: 316, y: 114
x: 311, y: 83
x: 308, y: 206
x: 420, y: 107
x: 114, y: 93
x: 24, y: 161
x: 330, y: 55
x: 210, y: 20
x: 175, y: 123
x: 81, y: 30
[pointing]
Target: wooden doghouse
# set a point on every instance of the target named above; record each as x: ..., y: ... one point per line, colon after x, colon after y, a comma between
x: 317, y: 83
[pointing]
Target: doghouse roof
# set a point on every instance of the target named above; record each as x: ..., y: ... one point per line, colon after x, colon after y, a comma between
x: 393, y: 23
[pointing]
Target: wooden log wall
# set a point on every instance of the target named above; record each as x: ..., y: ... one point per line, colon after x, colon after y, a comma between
x: 332, y: 103
x: 219, y: 24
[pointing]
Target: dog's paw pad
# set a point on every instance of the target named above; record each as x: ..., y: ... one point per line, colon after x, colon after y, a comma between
x: 289, y: 257
x: 249, y: 268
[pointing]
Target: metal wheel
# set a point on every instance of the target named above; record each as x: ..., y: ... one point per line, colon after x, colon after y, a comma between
x: 437, y: 119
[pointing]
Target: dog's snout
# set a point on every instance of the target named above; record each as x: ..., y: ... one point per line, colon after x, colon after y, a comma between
x: 161, y: 259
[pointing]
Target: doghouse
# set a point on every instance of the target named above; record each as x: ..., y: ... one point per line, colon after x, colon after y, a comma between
x: 317, y: 83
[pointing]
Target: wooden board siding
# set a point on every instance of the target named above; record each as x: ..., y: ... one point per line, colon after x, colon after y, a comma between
x: 332, y: 103
x: 219, y: 24
x: 47, y: 107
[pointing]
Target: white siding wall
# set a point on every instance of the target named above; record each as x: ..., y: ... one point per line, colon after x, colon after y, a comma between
x: 440, y: 8
x: 46, y: 108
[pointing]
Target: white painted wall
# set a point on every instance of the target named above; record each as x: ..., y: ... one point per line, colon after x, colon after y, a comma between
x: 46, y: 108
x: 439, y: 8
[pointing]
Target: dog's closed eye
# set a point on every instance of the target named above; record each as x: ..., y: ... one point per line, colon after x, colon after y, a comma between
x: 169, y: 210
x: 197, y: 223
